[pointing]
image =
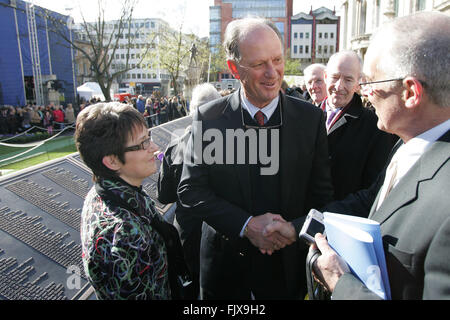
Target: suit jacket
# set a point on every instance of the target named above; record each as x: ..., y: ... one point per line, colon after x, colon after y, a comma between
x: 358, y: 149
x: 221, y: 193
x: 415, y: 226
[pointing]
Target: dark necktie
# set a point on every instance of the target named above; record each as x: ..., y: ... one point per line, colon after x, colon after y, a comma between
x: 259, y: 117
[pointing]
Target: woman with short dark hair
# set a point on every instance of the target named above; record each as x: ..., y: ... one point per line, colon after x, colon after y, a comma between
x: 124, y: 238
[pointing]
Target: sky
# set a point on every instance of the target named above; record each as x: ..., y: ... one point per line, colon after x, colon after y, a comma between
x: 193, y: 13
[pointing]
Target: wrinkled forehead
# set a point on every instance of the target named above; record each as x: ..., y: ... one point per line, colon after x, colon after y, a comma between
x: 314, y: 74
x: 347, y: 66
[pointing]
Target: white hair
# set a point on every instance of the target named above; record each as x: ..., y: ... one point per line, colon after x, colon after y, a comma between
x: 418, y: 46
x: 313, y: 66
x: 202, y: 94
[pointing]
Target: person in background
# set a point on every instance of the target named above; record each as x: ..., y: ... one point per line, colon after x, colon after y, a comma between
x: 58, y: 117
x: 47, y: 121
x: 358, y: 149
x: 314, y: 77
x: 70, y: 114
x: 188, y: 225
x: 140, y: 104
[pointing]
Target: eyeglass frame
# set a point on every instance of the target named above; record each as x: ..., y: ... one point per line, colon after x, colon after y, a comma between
x: 379, y: 81
x: 361, y: 84
x: 140, y: 146
x: 247, y: 126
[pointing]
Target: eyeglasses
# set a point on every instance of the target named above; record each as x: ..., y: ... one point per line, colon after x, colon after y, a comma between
x: 248, y: 126
x: 366, y: 87
x: 141, y: 146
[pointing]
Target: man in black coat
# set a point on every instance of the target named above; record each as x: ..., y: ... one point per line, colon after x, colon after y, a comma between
x: 248, y: 172
x: 358, y: 149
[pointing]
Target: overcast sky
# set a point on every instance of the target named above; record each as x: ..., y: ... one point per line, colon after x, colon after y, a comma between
x: 193, y: 13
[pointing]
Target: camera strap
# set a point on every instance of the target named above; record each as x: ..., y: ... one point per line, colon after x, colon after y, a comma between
x: 314, y: 292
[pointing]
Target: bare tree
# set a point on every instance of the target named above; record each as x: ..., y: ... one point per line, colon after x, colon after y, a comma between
x: 172, y: 53
x: 98, y: 42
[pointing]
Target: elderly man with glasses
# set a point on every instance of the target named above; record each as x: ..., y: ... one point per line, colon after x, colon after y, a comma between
x: 234, y: 195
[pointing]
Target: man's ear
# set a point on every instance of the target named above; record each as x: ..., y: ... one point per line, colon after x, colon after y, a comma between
x: 111, y: 162
x: 413, y: 92
x: 233, y: 68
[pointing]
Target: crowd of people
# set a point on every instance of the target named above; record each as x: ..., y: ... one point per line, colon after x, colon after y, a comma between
x: 14, y: 120
x: 238, y: 222
x: 159, y: 109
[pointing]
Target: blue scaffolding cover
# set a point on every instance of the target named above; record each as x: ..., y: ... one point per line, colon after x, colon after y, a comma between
x: 15, y: 52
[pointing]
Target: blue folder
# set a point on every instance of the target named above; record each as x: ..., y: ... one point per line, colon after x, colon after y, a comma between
x: 358, y: 241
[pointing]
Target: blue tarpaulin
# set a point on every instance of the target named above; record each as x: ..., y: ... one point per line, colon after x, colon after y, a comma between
x: 15, y: 52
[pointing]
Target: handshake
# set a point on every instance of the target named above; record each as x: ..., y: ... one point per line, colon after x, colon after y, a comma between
x: 270, y: 232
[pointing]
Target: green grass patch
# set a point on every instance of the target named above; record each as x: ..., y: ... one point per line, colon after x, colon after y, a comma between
x: 54, y: 154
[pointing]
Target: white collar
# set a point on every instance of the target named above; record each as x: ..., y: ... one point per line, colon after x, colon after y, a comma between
x: 267, y: 110
x: 329, y: 108
x: 408, y: 153
x: 422, y: 142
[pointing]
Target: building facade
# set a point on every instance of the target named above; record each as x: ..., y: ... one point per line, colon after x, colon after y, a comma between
x: 138, y: 36
x: 224, y: 11
x: 360, y: 18
x: 314, y: 36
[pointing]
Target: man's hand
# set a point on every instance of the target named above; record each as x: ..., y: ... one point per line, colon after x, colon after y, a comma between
x: 329, y: 267
x: 285, y: 229
x: 268, y: 243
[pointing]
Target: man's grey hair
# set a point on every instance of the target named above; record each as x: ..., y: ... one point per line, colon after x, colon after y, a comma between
x: 202, y: 94
x: 418, y: 46
x: 237, y: 29
x: 313, y: 66
x: 348, y: 53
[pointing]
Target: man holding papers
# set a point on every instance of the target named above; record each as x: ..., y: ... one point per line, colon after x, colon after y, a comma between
x: 408, y: 83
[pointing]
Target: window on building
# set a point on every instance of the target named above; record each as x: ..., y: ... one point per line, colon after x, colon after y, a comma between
x: 295, y: 35
x: 301, y: 35
x: 325, y: 49
x: 300, y: 49
x: 133, y: 76
x: 295, y: 49
x: 320, y: 35
x: 331, y: 35
x: 326, y: 35
x: 420, y: 5
x: 331, y: 49
x: 306, y: 49
x: 307, y: 35
x: 319, y: 49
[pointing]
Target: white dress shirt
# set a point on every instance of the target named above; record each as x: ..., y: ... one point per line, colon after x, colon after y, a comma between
x: 267, y: 110
x: 408, y: 154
